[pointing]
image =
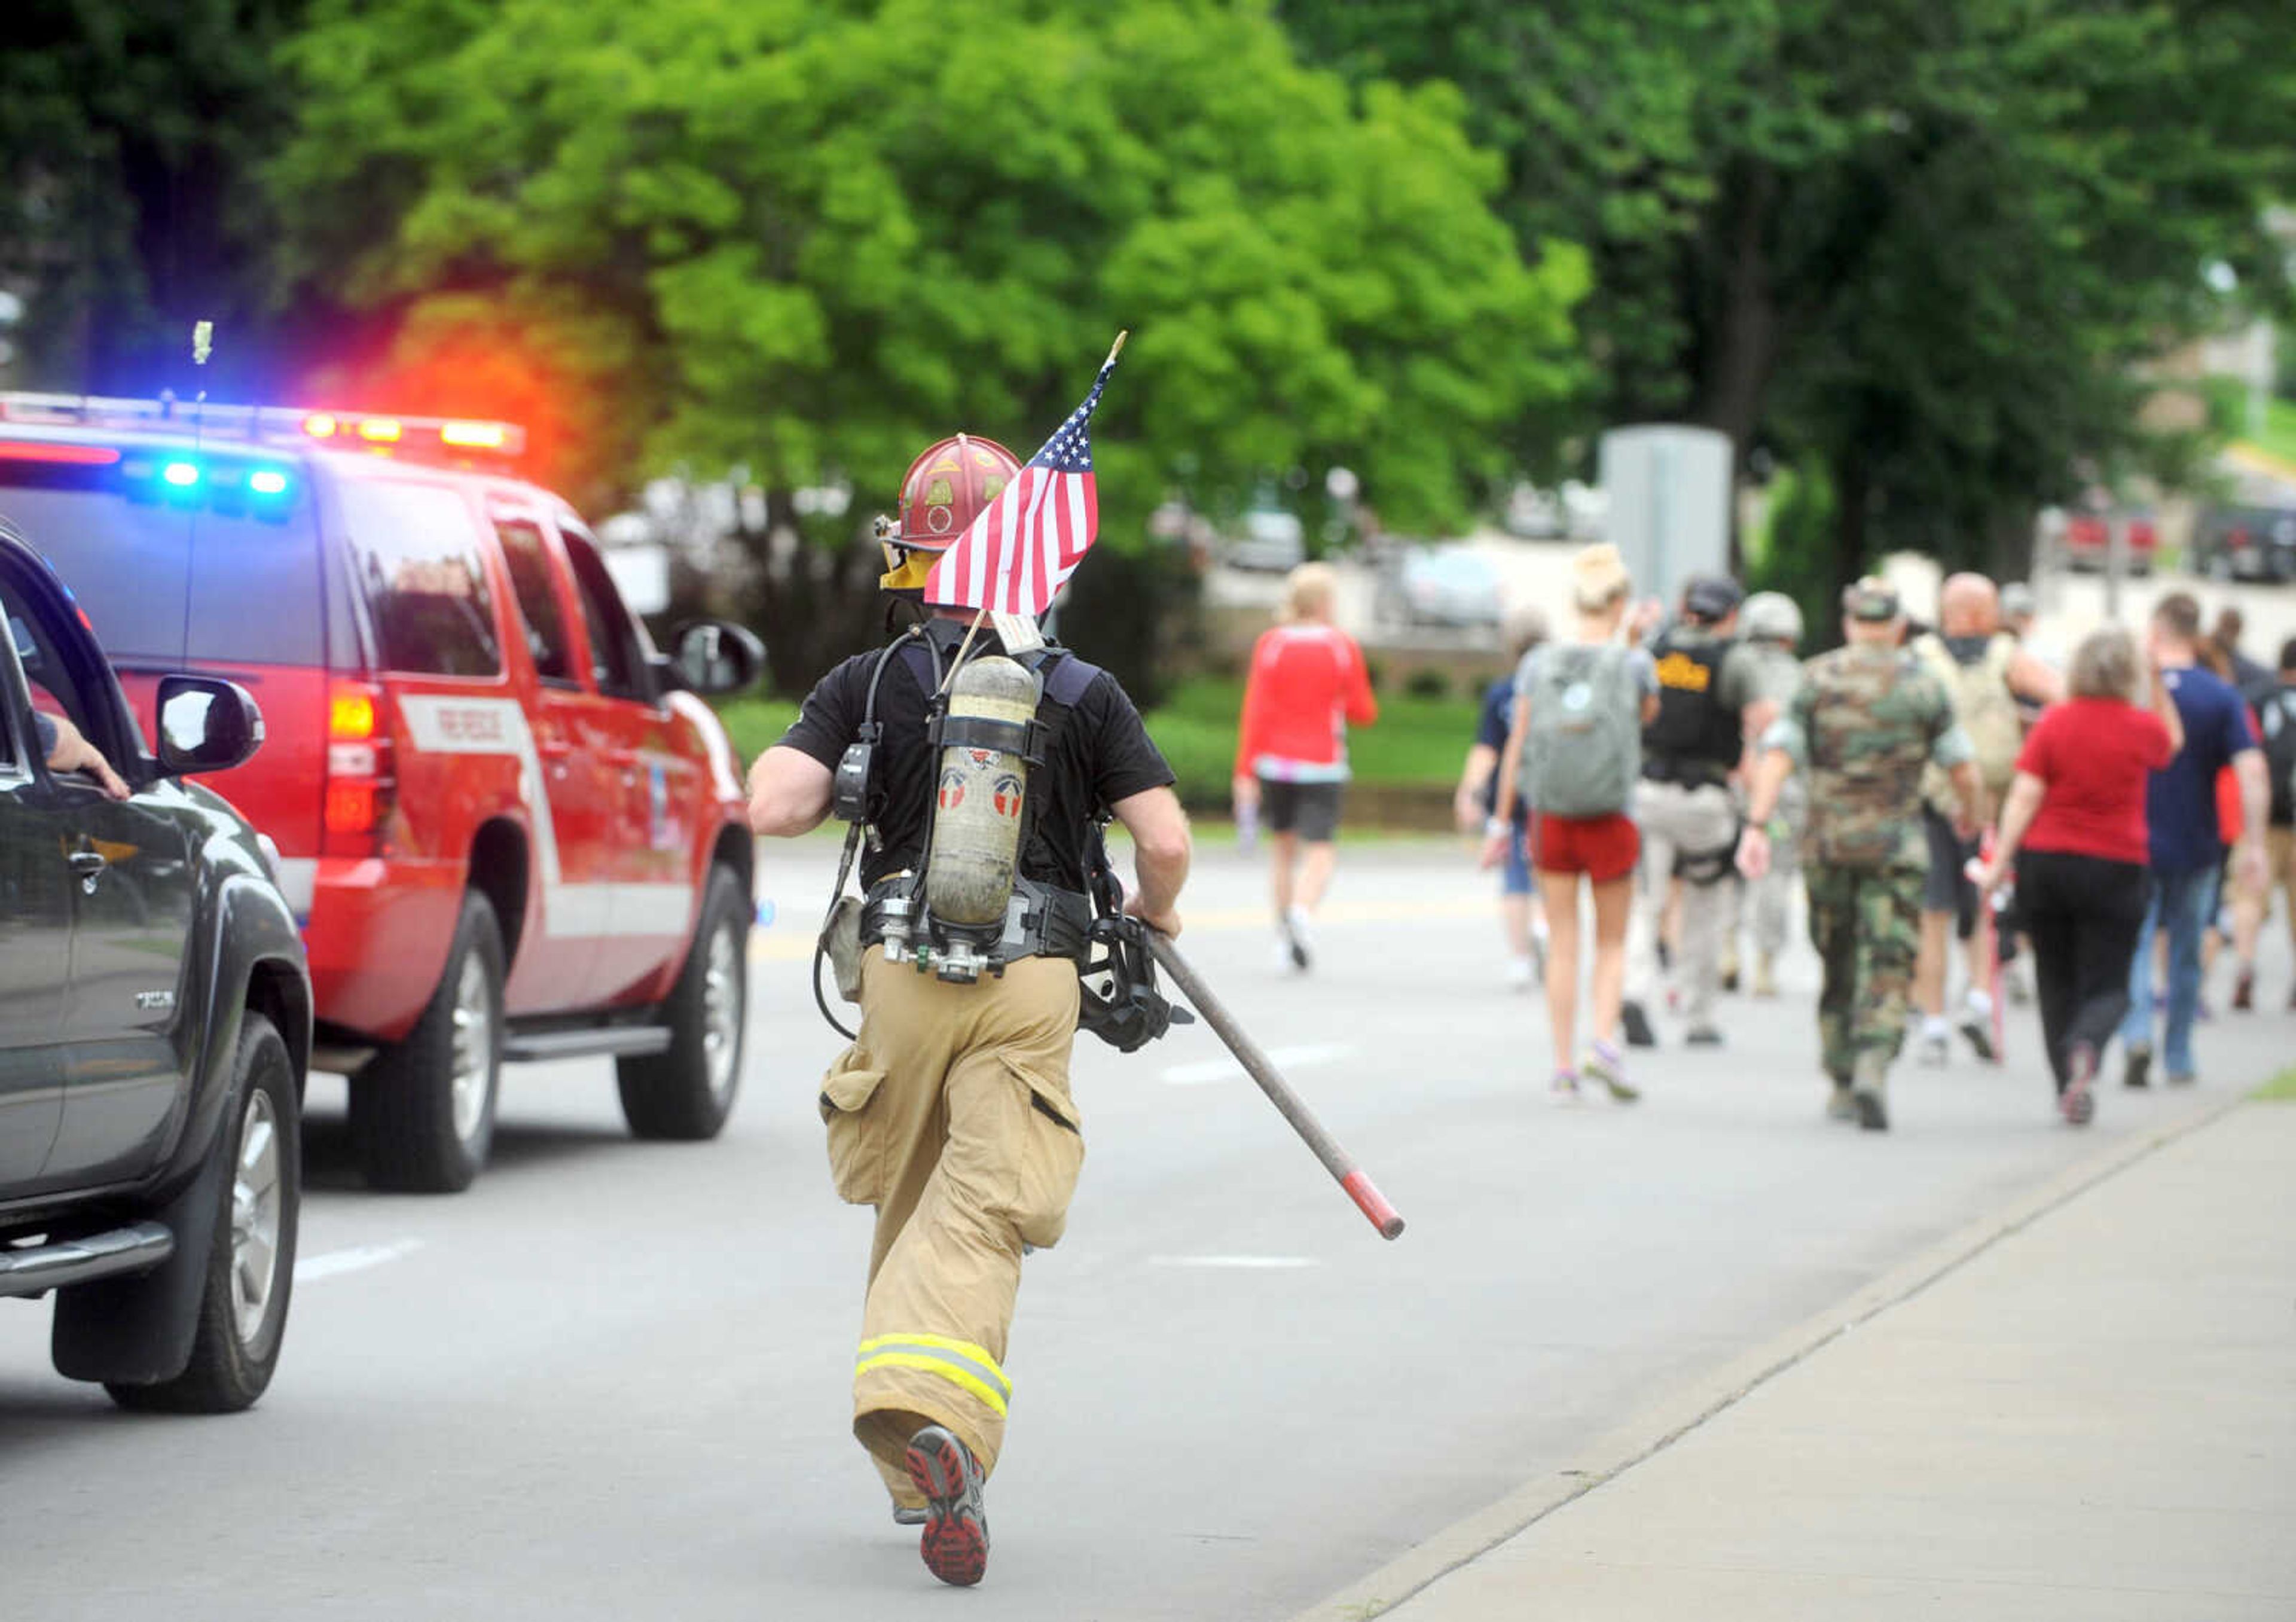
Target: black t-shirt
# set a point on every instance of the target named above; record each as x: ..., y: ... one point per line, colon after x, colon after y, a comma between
x: 1099, y: 752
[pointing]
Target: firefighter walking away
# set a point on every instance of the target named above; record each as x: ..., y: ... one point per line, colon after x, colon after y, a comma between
x: 978, y: 762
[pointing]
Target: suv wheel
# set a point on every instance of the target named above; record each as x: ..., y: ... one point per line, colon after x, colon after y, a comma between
x: 242, y: 1312
x: 687, y: 1091
x: 423, y: 1111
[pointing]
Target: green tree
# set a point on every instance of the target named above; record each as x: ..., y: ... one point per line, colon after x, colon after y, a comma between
x: 806, y: 239
x: 1925, y: 240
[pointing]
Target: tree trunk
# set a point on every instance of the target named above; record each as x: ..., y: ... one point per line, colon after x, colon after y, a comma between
x: 816, y: 603
x: 1742, y: 348
x: 1853, y: 496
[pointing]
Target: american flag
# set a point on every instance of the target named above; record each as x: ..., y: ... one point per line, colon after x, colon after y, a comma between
x: 1025, y: 544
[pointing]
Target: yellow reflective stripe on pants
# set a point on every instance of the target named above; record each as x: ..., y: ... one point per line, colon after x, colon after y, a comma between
x: 961, y: 1362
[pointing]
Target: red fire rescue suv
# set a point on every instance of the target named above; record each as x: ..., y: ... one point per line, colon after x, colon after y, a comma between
x: 511, y: 828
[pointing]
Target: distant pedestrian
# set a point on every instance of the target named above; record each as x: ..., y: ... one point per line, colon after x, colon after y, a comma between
x: 1771, y: 623
x: 1707, y: 682
x: 1308, y: 684
x: 1522, y: 921
x: 1988, y: 676
x: 2276, y: 725
x: 2184, y: 837
x: 2073, y: 827
x: 1574, y: 753
x: 1869, y: 718
x: 2254, y: 682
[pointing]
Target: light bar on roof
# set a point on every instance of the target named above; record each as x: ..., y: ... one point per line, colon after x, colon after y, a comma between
x: 456, y: 439
x: 475, y: 436
x: 77, y: 456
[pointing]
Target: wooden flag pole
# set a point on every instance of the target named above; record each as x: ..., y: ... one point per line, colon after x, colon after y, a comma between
x: 1336, y: 1160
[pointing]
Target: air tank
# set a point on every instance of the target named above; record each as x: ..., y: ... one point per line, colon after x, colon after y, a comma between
x: 976, y: 837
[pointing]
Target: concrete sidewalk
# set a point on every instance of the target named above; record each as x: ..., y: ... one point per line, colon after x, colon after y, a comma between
x: 2089, y: 1413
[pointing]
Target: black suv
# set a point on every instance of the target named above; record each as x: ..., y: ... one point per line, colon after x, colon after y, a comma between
x: 155, y: 1023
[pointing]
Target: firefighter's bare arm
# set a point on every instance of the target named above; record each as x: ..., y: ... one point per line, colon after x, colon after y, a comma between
x: 1159, y: 855
x: 789, y: 792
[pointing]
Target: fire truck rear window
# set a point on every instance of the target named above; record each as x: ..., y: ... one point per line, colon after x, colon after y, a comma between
x: 415, y: 552
x: 253, y: 582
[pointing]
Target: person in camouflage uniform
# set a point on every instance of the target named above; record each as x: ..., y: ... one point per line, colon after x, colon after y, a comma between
x: 1771, y: 626
x: 1867, y: 719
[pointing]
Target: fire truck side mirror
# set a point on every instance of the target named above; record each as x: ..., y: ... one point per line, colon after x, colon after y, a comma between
x: 714, y: 657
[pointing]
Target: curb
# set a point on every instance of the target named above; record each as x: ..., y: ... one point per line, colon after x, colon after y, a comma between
x: 1674, y: 1416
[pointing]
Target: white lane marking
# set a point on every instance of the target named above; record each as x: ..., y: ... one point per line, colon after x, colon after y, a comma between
x: 1260, y: 1263
x: 356, y: 1259
x: 1301, y: 1058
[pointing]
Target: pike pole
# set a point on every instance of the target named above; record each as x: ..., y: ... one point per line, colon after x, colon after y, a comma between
x: 1336, y: 1160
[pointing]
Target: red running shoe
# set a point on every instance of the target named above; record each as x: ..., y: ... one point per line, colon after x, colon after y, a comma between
x: 955, y: 1541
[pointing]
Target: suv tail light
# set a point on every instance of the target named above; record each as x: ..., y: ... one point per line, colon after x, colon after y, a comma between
x: 359, y: 786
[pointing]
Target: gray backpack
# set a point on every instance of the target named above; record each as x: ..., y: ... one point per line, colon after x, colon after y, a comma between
x: 1583, y: 749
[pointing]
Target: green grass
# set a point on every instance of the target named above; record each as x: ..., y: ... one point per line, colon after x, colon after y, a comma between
x: 1419, y: 741
x: 2280, y: 1090
x: 2279, y: 435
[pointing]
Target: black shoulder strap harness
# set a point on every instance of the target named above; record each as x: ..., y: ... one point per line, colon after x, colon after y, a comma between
x: 1119, y: 999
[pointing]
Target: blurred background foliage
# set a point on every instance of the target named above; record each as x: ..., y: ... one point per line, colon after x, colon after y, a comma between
x: 1913, y: 251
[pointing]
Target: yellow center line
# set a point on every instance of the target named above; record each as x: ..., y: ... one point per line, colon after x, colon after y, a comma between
x: 782, y: 945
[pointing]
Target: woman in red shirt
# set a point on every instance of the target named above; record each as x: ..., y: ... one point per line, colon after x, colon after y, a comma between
x: 1307, y: 686
x: 2074, y: 824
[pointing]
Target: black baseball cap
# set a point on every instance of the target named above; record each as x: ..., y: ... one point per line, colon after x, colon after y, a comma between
x: 1711, y: 596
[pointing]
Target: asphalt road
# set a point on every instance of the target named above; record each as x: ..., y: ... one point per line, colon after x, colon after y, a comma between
x: 612, y: 1380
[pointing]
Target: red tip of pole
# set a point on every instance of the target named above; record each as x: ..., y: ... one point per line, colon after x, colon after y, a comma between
x: 1373, y: 1204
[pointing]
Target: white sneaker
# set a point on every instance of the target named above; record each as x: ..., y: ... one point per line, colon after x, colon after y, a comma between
x: 1520, y: 974
x: 1297, y: 933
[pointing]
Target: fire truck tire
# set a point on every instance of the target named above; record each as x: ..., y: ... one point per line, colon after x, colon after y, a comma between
x: 422, y: 1111
x: 686, y: 1092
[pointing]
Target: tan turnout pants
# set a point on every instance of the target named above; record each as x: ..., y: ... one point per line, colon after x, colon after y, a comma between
x: 951, y: 1114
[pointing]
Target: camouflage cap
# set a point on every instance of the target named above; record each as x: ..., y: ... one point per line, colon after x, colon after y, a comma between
x: 1872, y: 599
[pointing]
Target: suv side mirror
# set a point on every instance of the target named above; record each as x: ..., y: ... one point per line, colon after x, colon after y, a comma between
x: 716, y: 657
x: 206, y: 724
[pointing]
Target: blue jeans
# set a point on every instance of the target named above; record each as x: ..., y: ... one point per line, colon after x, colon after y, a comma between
x: 2180, y: 905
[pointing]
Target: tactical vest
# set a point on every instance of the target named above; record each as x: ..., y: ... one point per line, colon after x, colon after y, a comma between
x: 1986, y: 709
x: 1696, y: 737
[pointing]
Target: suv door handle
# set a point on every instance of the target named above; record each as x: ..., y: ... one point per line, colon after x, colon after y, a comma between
x: 88, y: 865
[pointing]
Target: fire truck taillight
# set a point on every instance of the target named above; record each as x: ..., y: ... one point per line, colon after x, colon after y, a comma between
x: 359, y: 790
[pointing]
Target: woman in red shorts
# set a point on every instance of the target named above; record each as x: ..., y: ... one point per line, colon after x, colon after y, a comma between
x: 1574, y: 751
x: 2074, y: 824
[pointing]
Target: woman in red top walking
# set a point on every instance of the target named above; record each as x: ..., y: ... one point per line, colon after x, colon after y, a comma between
x: 2074, y: 824
x: 1307, y: 686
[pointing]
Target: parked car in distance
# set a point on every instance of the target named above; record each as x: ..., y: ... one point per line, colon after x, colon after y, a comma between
x: 2246, y: 543
x: 155, y: 1020
x: 509, y: 827
x: 1271, y: 540
x: 2086, y: 545
x: 1450, y: 585
x: 1535, y: 515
